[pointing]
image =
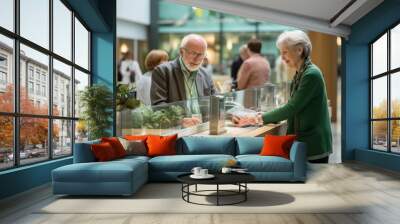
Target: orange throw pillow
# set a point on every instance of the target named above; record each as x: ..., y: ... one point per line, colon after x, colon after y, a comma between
x: 136, y: 137
x: 103, y: 152
x: 161, y: 145
x: 277, y: 145
x: 116, y: 145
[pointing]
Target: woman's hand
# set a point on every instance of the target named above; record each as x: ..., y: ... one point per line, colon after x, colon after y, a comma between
x: 190, y: 121
x: 250, y: 120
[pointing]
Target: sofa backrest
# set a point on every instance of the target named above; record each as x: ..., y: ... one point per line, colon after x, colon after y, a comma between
x: 190, y: 145
x: 249, y: 145
x: 83, y: 153
x: 194, y: 145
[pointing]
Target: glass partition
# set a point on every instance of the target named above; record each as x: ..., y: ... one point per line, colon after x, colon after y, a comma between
x: 193, y: 116
x: 165, y: 119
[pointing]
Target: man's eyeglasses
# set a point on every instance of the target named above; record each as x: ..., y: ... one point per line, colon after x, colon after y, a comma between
x: 194, y: 54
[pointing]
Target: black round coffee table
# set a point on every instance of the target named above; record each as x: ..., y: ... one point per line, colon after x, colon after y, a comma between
x: 238, y: 179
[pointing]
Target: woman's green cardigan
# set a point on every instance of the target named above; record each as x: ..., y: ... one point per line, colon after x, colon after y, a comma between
x: 307, y: 112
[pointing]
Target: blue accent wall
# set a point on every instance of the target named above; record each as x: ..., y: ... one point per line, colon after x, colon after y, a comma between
x: 90, y: 12
x: 103, y: 64
x: 355, y: 92
x: 380, y: 159
x: 100, y: 17
x: 103, y: 53
x: 24, y: 178
x: 355, y: 114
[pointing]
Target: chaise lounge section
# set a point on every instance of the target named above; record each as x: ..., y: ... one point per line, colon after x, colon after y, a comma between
x: 88, y: 177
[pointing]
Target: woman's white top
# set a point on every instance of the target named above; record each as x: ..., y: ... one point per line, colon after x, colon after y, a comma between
x: 143, y: 88
x: 127, y: 66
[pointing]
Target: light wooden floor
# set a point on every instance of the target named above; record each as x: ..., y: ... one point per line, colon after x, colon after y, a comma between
x: 378, y: 188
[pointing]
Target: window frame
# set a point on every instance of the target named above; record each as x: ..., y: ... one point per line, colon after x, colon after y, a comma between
x: 16, y: 114
x: 3, y: 71
x: 388, y: 74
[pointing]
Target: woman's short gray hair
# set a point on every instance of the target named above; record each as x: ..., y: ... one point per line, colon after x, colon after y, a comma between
x: 295, y: 38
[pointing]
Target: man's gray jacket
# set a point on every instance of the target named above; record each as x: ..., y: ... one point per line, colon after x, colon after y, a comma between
x: 168, y: 85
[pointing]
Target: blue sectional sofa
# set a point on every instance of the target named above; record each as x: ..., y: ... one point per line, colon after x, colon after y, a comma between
x: 125, y: 176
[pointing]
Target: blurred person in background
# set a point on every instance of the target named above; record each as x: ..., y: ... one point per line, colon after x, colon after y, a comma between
x: 207, y: 66
x: 254, y: 72
x: 129, y: 71
x: 152, y: 60
x: 243, y: 55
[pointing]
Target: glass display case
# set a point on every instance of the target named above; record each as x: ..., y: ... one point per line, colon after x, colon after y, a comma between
x: 193, y: 116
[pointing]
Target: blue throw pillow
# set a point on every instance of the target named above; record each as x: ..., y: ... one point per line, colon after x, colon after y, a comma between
x: 249, y: 145
x: 195, y: 145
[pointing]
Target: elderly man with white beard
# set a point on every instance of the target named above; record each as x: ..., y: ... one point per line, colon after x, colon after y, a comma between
x: 183, y: 78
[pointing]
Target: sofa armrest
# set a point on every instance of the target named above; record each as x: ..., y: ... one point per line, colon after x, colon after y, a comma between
x: 298, y: 155
x: 83, y: 152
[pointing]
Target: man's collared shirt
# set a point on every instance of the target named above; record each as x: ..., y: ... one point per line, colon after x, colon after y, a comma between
x: 190, y: 87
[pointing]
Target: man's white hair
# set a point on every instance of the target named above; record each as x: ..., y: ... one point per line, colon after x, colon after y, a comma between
x: 295, y: 38
x: 192, y: 36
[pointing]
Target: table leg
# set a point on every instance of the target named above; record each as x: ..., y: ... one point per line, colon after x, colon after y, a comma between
x: 245, y: 191
x: 188, y: 190
x: 196, y: 188
x: 217, y: 194
x: 182, y: 190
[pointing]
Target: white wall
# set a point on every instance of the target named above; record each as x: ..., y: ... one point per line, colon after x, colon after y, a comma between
x: 131, y: 30
x: 137, y: 11
x: 133, y: 18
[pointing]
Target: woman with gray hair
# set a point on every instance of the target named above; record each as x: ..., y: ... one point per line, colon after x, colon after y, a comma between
x: 306, y: 111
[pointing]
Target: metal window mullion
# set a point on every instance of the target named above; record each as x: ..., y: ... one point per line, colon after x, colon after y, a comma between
x: 73, y: 82
x: 7, y: 33
x: 46, y: 51
x: 389, y: 106
x: 89, y: 59
x: 371, y: 89
x: 50, y: 81
x: 89, y: 52
x: 384, y: 119
x: 84, y: 70
x: 115, y: 79
x: 16, y: 84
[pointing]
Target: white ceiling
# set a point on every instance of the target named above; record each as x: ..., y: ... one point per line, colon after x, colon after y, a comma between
x: 312, y: 8
x: 317, y: 15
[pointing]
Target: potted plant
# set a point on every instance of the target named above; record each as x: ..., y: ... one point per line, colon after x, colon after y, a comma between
x: 125, y: 98
x: 165, y: 118
x: 156, y: 121
x: 96, y: 103
x: 126, y: 102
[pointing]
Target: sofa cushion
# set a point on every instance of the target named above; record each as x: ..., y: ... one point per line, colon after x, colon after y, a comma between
x: 83, y: 152
x: 116, y: 145
x: 185, y: 163
x: 112, y: 171
x: 249, y: 145
x: 257, y: 163
x: 199, y: 145
x: 136, y: 137
x: 103, y: 152
x: 134, y: 147
x: 161, y: 145
x: 131, y: 158
x: 275, y: 145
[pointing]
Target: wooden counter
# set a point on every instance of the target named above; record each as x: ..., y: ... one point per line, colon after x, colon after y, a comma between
x: 202, y: 130
x: 275, y: 129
